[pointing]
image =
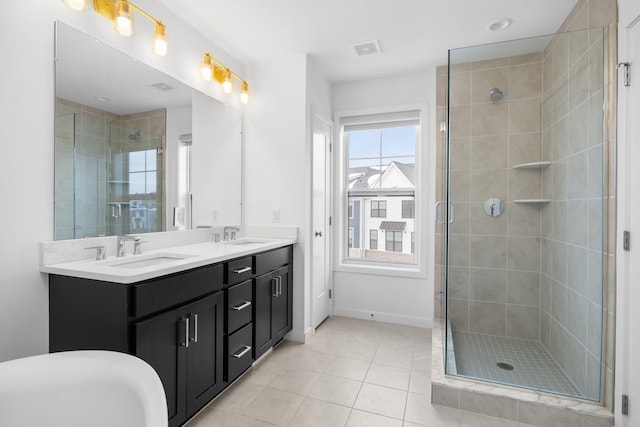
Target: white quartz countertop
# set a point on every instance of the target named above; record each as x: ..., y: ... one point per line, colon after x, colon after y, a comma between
x: 161, y: 262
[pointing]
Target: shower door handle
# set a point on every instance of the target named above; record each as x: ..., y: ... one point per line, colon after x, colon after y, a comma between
x: 452, y: 212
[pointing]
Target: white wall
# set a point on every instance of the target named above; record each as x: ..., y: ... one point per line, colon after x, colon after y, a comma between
x: 275, y: 158
x: 26, y: 164
x: 392, y: 297
x: 216, y: 179
x: 277, y: 181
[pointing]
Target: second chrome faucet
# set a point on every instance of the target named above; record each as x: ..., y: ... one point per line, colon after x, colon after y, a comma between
x: 137, y: 245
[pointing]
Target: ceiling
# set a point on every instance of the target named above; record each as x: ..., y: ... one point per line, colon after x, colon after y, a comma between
x: 415, y: 35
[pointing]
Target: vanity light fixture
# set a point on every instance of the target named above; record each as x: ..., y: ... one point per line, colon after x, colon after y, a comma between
x: 211, y: 68
x: 120, y: 12
x: 77, y: 4
x: 123, y: 18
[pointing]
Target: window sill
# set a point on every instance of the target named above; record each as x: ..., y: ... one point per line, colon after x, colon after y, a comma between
x: 380, y: 269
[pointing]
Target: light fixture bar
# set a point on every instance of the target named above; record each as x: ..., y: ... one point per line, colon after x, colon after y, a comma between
x: 216, y: 70
x: 108, y: 9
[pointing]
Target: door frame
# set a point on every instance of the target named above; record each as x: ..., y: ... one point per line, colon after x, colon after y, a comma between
x: 316, y: 115
x: 628, y: 204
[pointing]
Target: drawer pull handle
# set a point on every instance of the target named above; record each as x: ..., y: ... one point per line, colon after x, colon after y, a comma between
x: 185, y: 322
x: 242, y: 306
x: 246, y: 349
x: 242, y: 270
x: 194, y: 338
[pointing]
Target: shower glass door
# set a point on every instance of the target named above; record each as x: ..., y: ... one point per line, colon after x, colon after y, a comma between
x: 524, y: 253
x: 135, y: 203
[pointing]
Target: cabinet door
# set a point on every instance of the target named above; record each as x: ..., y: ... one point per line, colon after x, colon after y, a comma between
x: 282, y: 304
x: 205, y: 353
x: 161, y: 342
x: 265, y: 289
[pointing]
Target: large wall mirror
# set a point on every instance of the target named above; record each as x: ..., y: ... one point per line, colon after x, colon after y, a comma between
x: 137, y: 151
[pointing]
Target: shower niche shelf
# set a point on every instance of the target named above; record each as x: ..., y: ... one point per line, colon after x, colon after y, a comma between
x: 533, y: 165
x: 532, y: 201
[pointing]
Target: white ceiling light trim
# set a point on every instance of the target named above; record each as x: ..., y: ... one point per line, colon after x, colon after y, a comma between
x: 502, y: 24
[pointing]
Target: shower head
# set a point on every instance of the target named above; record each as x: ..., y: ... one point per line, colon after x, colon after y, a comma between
x: 135, y: 136
x: 495, y: 94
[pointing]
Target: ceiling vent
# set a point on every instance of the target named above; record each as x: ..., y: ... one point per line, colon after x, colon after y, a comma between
x: 162, y: 86
x: 367, y: 48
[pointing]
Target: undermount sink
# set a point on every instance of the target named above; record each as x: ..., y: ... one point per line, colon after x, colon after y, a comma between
x: 149, y: 260
x: 245, y: 241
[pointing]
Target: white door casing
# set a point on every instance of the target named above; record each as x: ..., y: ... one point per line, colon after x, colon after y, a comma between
x: 321, y: 305
x: 627, y: 380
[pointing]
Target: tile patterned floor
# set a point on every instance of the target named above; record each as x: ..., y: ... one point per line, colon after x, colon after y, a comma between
x: 477, y: 355
x: 351, y: 373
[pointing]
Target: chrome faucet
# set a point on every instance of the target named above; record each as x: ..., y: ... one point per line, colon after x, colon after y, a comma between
x: 230, y: 233
x: 137, y: 242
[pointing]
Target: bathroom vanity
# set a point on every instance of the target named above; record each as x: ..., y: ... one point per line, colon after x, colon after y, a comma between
x: 199, y: 327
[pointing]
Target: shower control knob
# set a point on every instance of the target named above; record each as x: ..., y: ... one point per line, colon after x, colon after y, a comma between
x: 493, y: 207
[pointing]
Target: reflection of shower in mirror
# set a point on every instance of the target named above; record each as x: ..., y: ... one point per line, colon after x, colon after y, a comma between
x: 135, y: 136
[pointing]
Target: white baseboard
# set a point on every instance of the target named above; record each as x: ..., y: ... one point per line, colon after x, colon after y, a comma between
x: 300, y: 336
x: 384, y: 317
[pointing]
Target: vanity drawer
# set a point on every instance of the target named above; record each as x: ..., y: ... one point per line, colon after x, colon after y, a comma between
x: 271, y: 260
x: 238, y: 270
x: 240, y: 353
x: 239, y: 305
x: 168, y: 291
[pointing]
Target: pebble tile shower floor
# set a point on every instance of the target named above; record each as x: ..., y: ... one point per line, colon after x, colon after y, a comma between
x: 477, y: 356
x: 351, y: 373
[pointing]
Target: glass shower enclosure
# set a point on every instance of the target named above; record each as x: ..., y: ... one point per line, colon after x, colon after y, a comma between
x: 524, y: 231
x: 109, y: 172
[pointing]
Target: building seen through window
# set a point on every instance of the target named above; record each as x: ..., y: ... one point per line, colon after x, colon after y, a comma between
x: 380, y: 189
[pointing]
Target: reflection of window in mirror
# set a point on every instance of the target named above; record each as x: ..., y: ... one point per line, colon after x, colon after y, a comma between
x: 183, y: 217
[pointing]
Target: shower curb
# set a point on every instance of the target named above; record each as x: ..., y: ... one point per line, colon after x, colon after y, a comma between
x: 507, y: 402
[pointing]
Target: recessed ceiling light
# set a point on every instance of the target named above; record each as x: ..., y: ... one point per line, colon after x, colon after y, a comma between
x: 502, y: 24
x: 102, y: 99
x: 162, y: 86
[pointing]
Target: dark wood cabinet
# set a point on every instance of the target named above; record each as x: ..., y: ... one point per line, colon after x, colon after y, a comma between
x: 273, y: 300
x: 199, y: 329
x: 185, y: 347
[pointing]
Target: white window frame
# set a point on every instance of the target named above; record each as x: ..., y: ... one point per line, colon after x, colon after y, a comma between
x: 423, y: 193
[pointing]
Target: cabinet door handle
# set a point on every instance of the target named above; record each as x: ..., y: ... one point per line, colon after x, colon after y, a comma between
x: 185, y: 322
x: 279, y: 285
x: 274, y: 281
x: 246, y: 349
x: 242, y: 270
x: 194, y: 338
x: 242, y: 306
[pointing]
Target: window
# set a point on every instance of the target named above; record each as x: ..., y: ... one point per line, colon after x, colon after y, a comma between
x: 393, y: 241
x: 380, y: 184
x: 144, y: 191
x: 408, y: 208
x: 373, y: 239
x: 378, y: 209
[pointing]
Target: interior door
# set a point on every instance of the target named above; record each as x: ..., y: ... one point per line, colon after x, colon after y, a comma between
x: 320, y: 255
x: 628, y: 379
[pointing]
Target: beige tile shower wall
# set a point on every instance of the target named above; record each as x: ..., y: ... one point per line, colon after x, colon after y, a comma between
x: 84, y: 139
x: 495, y: 261
x: 86, y: 150
x: 573, y: 303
